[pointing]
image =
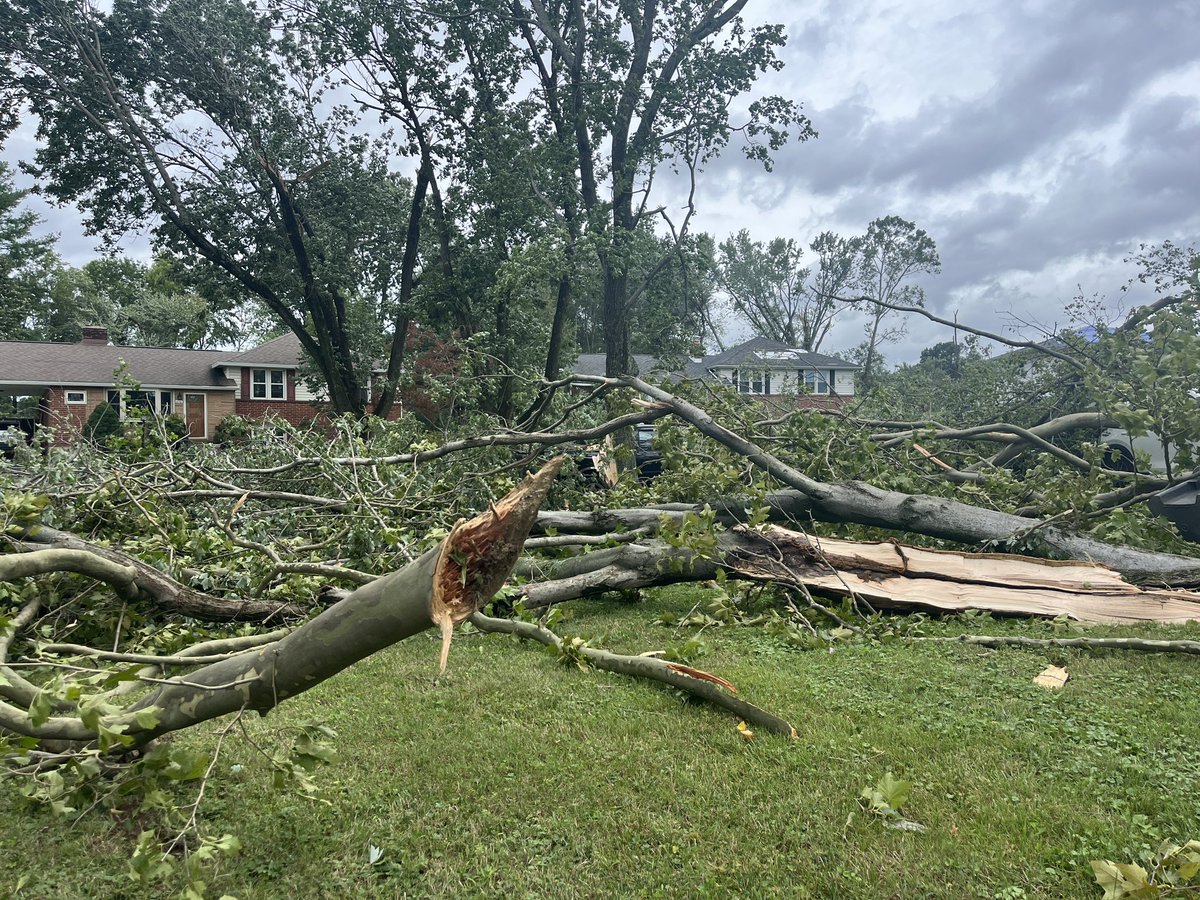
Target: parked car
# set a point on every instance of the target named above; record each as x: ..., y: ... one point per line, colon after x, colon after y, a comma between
x: 1121, y: 450
x: 597, y: 463
x: 647, y: 459
x: 13, y: 434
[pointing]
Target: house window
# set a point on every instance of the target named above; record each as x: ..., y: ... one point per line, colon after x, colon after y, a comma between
x: 154, y: 401
x: 751, y: 381
x: 139, y: 400
x: 267, y: 384
x: 816, y: 381
x: 76, y: 397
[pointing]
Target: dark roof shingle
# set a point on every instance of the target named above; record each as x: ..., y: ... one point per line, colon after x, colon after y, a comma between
x: 93, y: 365
x: 595, y: 364
x: 765, y: 353
x: 283, y: 352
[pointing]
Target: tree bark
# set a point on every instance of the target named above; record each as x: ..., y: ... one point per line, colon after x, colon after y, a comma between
x: 939, y: 517
x: 443, y: 587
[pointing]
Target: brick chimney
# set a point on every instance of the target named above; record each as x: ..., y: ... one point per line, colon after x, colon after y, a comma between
x: 94, y: 334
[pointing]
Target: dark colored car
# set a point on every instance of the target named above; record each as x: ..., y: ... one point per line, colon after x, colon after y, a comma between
x: 648, y: 460
x: 598, y: 467
x: 14, y: 433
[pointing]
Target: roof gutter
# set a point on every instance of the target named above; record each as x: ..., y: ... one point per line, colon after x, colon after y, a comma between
x: 108, y: 384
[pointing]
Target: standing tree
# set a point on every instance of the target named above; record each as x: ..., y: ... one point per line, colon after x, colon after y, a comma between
x: 27, y: 266
x: 637, y: 85
x: 203, y: 118
x: 671, y: 315
x: 780, y: 298
x: 837, y: 257
x: 765, y: 284
x: 893, y: 252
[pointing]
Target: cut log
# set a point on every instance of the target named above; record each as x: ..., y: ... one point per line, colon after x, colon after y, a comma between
x: 893, y: 576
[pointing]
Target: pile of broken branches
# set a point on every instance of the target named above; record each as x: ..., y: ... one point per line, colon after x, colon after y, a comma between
x: 327, y: 524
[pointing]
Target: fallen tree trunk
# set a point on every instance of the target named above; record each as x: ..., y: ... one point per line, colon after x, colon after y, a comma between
x: 865, y: 504
x: 884, y: 575
x: 443, y: 587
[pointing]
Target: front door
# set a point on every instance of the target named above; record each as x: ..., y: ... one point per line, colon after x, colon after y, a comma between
x: 195, y: 415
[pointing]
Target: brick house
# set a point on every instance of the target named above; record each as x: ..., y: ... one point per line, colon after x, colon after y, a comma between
x: 201, y: 386
x: 266, y: 381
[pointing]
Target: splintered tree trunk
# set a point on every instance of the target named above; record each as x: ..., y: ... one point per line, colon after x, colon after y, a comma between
x: 443, y: 587
x: 883, y: 575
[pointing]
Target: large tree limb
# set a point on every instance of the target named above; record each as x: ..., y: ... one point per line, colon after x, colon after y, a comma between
x: 502, y: 439
x: 865, y: 504
x: 695, y: 682
x: 1053, y: 428
x: 134, y: 579
x: 885, y: 575
x: 1042, y: 346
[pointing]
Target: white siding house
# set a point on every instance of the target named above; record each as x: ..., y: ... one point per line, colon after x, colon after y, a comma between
x: 769, y: 368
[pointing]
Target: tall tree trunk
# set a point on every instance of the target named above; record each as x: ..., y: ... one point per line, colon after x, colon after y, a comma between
x: 617, y: 358
x: 504, y: 387
x: 558, y: 326
x: 408, y: 265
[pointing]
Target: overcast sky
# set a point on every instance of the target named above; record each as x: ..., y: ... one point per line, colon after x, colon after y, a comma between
x: 1039, y: 143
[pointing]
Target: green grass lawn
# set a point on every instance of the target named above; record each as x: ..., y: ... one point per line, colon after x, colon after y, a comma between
x: 517, y: 777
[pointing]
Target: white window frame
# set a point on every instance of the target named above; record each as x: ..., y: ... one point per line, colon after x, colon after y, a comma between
x: 156, y: 396
x: 265, y: 380
x: 815, y: 378
x: 751, y: 381
x: 67, y: 398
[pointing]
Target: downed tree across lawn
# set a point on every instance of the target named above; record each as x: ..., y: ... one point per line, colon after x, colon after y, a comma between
x: 939, y: 517
x: 444, y: 587
x: 883, y: 575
